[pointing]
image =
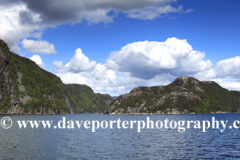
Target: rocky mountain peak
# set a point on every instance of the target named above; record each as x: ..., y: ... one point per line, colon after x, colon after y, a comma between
x: 185, y: 81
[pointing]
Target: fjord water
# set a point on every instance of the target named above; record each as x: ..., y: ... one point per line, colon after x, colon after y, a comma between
x: 116, y: 143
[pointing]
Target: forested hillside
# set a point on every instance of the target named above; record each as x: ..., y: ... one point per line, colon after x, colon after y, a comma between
x: 27, y: 88
x: 184, y: 95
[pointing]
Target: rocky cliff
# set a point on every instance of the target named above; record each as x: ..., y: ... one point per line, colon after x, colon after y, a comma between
x: 182, y: 96
x: 25, y: 88
x: 8, y: 98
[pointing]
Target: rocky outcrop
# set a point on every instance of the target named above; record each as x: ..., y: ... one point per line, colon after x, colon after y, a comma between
x: 69, y: 104
x: 23, y: 97
x: 8, y: 99
x: 186, y: 81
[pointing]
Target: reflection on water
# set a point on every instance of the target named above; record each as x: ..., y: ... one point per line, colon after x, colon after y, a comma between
x: 119, y: 143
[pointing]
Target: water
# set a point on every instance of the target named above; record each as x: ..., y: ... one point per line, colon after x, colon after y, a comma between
x: 116, y: 143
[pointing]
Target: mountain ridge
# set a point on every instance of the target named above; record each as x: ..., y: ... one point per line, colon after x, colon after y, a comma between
x: 184, y: 95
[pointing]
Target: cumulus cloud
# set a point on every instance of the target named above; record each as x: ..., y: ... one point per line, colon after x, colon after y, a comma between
x: 38, y: 60
x: 21, y: 19
x: 79, y: 63
x: 231, y: 85
x: 12, y: 29
x: 226, y: 73
x: 58, y: 64
x: 38, y: 46
x: 229, y: 67
x: 228, y: 82
x: 147, y: 59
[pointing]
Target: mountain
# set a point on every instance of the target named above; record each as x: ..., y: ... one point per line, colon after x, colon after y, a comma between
x: 115, y: 97
x: 25, y: 88
x: 182, y: 96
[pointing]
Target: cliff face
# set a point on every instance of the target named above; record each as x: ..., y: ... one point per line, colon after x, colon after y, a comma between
x: 184, y: 95
x: 8, y: 99
x: 25, y: 88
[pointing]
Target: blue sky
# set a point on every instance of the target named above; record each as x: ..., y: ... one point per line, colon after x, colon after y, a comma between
x: 82, y: 42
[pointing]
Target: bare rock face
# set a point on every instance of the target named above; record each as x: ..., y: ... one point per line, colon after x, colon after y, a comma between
x: 185, y: 81
x: 4, y: 60
x: 22, y: 89
x: 8, y: 100
x: 70, y: 106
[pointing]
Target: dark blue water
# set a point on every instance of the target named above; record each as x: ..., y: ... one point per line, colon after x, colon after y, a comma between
x: 116, y: 143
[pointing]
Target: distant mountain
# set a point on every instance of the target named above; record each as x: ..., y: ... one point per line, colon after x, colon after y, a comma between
x: 184, y: 95
x: 25, y: 88
x: 115, y: 97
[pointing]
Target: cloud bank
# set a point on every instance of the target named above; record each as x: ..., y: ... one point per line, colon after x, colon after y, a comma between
x: 148, y: 59
x: 38, y: 46
x: 147, y: 63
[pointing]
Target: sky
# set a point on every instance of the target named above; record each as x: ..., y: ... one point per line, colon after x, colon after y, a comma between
x: 116, y: 45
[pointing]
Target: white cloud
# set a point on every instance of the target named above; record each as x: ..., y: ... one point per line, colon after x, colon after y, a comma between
x: 69, y: 77
x: 38, y: 60
x: 207, y: 74
x: 228, y: 83
x: 79, y: 63
x: 229, y: 67
x: 101, y: 72
x: 97, y: 16
x: 231, y: 85
x: 58, y: 64
x: 38, y: 46
x: 148, y: 59
x: 11, y: 29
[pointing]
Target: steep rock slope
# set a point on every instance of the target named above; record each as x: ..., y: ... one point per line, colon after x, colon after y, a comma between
x: 8, y: 87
